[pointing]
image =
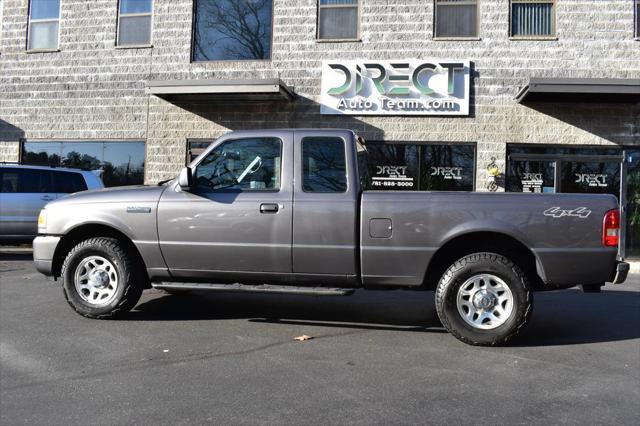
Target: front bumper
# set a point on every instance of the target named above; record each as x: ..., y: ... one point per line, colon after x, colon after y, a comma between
x: 44, y: 247
x: 622, y: 270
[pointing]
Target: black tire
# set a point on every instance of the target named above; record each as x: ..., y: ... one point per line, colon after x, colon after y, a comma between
x: 130, y: 277
x: 471, y: 266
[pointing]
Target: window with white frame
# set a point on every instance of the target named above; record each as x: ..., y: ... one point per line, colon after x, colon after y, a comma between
x: 134, y: 22
x: 533, y: 18
x: 44, y: 24
x: 456, y: 18
x: 338, y: 19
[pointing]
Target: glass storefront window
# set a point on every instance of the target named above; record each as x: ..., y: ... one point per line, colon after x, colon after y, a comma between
x: 393, y: 166
x: 532, y: 176
x: 590, y: 177
x: 421, y: 167
x: 116, y: 162
x: 447, y: 167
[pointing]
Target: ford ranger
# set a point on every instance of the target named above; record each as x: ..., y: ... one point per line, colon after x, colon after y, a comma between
x: 290, y: 211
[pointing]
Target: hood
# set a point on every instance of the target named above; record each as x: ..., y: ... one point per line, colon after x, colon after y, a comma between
x: 138, y: 193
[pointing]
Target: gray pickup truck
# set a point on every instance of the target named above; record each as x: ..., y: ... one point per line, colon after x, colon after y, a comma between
x: 289, y: 211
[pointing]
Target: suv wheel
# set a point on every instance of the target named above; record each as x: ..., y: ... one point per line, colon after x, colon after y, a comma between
x: 484, y: 299
x: 100, y: 278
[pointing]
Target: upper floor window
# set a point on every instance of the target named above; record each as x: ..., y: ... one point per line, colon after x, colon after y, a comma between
x: 134, y: 22
x: 232, y: 29
x: 637, y: 20
x: 533, y: 18
x: 44, y: 24
x: 456, y: 18
x: 338, y: 19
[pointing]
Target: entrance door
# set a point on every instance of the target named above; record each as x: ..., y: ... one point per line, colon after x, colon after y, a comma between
x: 237, y: 217
x: 532, y: 176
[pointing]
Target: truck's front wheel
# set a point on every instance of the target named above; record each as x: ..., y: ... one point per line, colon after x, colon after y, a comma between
x: 484, y: 299
x: 100, y: 278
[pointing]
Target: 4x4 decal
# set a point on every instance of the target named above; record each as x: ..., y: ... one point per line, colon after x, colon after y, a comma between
x: 581, y: 212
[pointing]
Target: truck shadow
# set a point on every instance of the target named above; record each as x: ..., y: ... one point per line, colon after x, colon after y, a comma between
x: 560, y: 318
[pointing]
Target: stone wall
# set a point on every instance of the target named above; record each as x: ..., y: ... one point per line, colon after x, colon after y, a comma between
x: 93, y: 90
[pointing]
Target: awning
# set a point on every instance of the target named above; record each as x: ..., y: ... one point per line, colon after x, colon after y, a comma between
x: 580, y: 90
x: 192, y: 91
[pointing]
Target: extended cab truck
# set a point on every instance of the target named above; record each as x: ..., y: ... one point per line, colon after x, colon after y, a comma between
x: 288, y: 211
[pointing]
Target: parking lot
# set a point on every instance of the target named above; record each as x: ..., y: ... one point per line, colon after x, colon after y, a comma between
x: 375, y: 358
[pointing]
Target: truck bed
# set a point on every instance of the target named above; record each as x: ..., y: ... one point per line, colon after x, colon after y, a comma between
x: 563, y: 231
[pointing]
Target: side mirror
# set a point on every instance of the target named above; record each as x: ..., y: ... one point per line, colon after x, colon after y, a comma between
x: 185, y: 179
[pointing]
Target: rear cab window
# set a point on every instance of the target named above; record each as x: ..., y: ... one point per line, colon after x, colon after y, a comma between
x: 324, y: 167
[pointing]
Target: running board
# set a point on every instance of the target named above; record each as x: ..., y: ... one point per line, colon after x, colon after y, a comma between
x: 262, y: 288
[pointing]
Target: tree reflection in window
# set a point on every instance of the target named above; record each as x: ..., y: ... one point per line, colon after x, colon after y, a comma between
x: 232, y: 30
x: 324, y: 166
x: 117, y: 163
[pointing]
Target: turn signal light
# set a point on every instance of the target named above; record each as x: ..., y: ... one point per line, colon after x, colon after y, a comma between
x: 611, y: 228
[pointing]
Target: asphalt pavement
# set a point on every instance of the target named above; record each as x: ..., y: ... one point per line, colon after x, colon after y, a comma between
x: 375, y: 358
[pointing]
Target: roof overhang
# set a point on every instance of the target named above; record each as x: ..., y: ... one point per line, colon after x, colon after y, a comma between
x: 194, y: 91
x: 623, y: 90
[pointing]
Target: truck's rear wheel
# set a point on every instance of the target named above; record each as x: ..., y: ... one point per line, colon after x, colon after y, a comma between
x: 484, y: 299
x: 101, y: 279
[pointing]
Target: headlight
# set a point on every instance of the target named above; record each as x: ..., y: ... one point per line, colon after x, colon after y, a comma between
x: 42, y: 220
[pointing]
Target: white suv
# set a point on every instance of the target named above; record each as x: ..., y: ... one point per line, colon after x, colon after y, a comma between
x: 24, y: 190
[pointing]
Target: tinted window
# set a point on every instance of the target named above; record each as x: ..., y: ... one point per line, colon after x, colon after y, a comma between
x: 323, y: 165
x: 68, y: 182
x: 590, y: 177
x: 447, y: 167
x: 117, y: 163
x: 531, y: 176
x: 250, y: 164
x: 232, y: 30
x: 25, y: 181
x: 393, y: 166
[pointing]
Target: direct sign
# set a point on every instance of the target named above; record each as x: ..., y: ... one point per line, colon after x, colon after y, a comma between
x: 402, y: 87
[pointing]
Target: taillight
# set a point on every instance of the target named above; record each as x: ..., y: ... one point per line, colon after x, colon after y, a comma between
x: 611, y: 228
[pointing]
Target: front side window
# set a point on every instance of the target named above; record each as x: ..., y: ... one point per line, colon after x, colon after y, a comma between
x: 251, y: 164
x: 533, y: 18
x: 338, y: 19
x: 134, y: 22
x: 232, y: 30
x: 116, y: 162
x: 456, y: 18
x: 44, y: 22
x: 324, y: 167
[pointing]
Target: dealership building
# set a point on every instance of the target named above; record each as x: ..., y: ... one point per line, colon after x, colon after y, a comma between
x: 463, y: 95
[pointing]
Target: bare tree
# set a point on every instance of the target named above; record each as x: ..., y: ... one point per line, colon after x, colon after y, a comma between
x: 241, y: 28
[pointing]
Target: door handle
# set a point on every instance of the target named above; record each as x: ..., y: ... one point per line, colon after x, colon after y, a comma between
x: 269, y: 208
x: 46, y: 197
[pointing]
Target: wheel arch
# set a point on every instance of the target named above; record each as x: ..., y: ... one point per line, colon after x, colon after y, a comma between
x: 483, y: 241
x: 91, y: 230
